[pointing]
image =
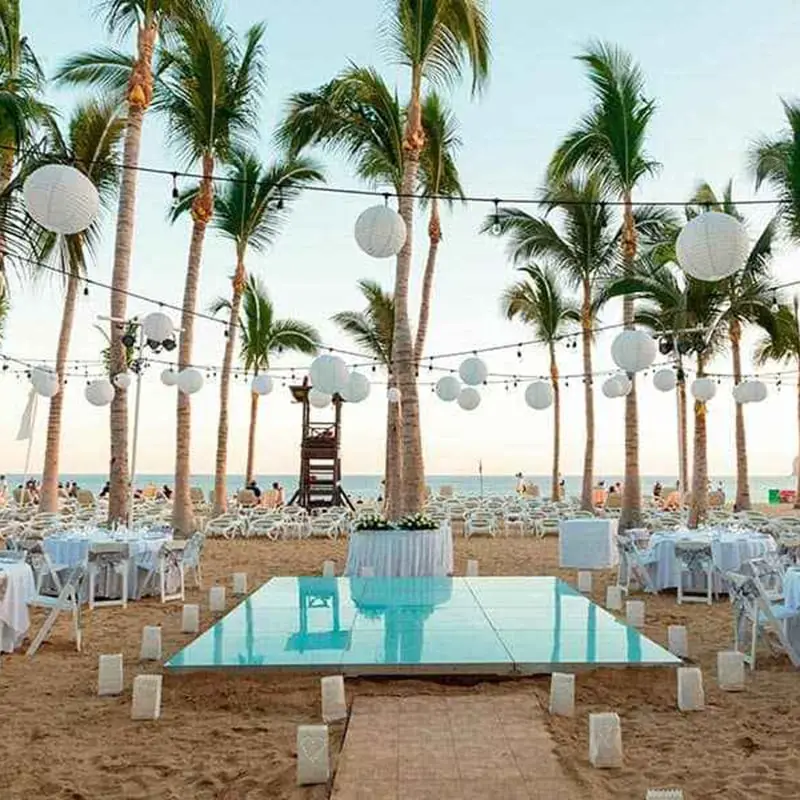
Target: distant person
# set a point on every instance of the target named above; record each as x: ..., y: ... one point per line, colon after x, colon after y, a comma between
x: 254, y: 488
x: 105, y: 491
x: 521, y: 483
x: 612, y: 489
x: 562, y: 488
x: 280, y: 495
x: 167, y: 492
x: 721, y: 491
x: 62, y: 491
x: 73, y: 490
x: 657, y: 489
x: 3, y: 489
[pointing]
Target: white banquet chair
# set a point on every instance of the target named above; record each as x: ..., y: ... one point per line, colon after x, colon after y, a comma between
x: 108, y: 559
x: 632, y: 566
x: 68, y: 600
x: 695, y: 557
x: 192, y: 553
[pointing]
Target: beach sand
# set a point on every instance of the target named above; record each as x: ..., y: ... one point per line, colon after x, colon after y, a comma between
x: 234, y: 737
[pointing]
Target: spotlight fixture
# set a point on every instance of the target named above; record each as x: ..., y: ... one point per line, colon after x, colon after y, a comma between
x: 176, y: 195
x: 129, y: 340
x: 775, y: 305
x: 665, y: 345
x: 169, y: 345
x: 496, y: 227
x: 280, y: 198
x: 154, y: 345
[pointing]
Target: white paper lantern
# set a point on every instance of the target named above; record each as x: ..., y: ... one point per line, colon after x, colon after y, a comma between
x: 169, y: 377
x: 157, y: 327
x: 262, y: 384
x: 473, y: 371
x: 356, y: 389
x: 625, y: 385
x: 633, y: 351
x: 329, y: 374
x: 100, y: 393
x: 469, y: 399
x: 750, y: 392
x: 712, y: 246
x: 393, y: 395
x: 448, y: 388
x: 319, y: 399
x: 703, y: 389
x: 380, y: 232
x: 123, y: 380
x: 190, y: 380
x: 664, y: 380
x: 759, y: 391
x: 61, y: 199
x: 612, y: 387
x: 45, y: 381
x: 539, y: 395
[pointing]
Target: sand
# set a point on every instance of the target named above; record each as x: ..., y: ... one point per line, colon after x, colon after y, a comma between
x: 231, y: 738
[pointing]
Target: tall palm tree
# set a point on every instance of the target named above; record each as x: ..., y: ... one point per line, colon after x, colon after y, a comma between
x: 372, y: 330
x: 252, y: 208
x: 781, y: 343
x: 95, y: 132
x: 262, y: 336
x: 609, y: 141
x: 539, y: 301
x: 130, y: 76
x: 211, y: 95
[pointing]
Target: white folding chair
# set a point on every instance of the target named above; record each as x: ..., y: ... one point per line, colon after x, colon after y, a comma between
x: 695, y: 558
x: 113, y: 558
x: 632, y: 566
x: 68, y: 600
x: 192, y: 552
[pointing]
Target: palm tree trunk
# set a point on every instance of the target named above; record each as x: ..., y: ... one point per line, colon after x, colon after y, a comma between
x: 554, y: 493
x: 202, y: 210
x: 49, y: 501
x: 588, y: 391
x: 140, y: 92
x: 683, y: 432
x: 434, y: 237
x: 221, y: 466
x: 742, y: 481
x: 394, y: 458
x: 251, y: 439
x: 699, y: 506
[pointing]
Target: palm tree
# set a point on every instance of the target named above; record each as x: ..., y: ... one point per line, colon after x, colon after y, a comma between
x: 262, y: 337
x: 95, y: 132
x: 372, y: 330
x: 210, y: 98
x: 251, y: 210
x: 5, y: 306
x: 781, y: 343
x: 132, y: 78
x: 609, y: 142
x: 539, y: 301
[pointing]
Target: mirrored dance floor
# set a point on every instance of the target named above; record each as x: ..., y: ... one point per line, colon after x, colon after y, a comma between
x: 419, y: 626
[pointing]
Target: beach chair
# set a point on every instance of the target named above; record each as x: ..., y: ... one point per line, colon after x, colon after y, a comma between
x: 547, y: 526
x: 479, y: 522
x: 227, y: 526
x: 68, y: 600
x: 85, y: 498
x: 108, y: 557
x: 514, y: 521
x: 446, y: 492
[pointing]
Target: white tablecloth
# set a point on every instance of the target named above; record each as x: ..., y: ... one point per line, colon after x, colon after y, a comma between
x: 587, y: 543
x: 401, y: 553
x: 791, y: 589
x: 14, y: 620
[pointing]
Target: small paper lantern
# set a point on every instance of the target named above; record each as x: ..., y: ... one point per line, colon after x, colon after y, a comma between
x: 612, y: 388
x: 169, y: 377
x: 759, y: 391
x: 123, y: 380
x: 712, y: 246
x: 262, y: 384
x: 45, y: 381
x: 703, y: 389
x: 157, y: 327
x: 61, y: 199
x: 99, y: 393
x: 393, y: 395
x: 448, y: 388
x: 319, y: 399
x: 633, y: 351
x: 664, y: 380
x: 750, y: 392
x: 469, y: 399
x: 356, y: 390
x: 190, y: 380
x: 473, y: 371
x: 329, y: 374
x: 625, y: 384
x: 539, y: 395
x: 380, y: 232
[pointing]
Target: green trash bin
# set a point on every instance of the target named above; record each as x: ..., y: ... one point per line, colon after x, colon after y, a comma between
x: 774, y: 497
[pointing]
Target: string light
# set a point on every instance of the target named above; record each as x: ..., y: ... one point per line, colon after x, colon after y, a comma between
x: 497, y: 228
x: 176, y: 195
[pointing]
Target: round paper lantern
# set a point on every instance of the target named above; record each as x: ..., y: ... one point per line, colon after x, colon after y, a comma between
x: 664, y: 380
x: 539, y: 395
x: 157, y: 327
x: 169, y: 377
x: 633, y: 351
x: 741, y: 392
x: 712, y: 246
x: 357, y: 388
x: 190, y: 380
x: 45, y: 381
x: 624, y: 383
x: 473, y: 371
x: 616, y: 386
x: 750, y: 392
x: 100, y: 393
x: 469, y: 399
x: 380, y: 232
x: 262, y: 384
x: 703, y: 389
x: 393, y: 395
x: 318, y: 399
x: 61, y: 199
x: 759, y: 391
x: 329, y: 374
x: 123, y: 380
x: 448, y: 388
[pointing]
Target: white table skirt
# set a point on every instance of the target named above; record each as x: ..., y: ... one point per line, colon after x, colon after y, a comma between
x: 14, y: 618
x: 587, y: 543
x: 401, y: 553
x: 791, y: 589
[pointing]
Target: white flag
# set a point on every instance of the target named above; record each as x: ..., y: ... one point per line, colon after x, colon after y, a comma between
x: 26, y: 423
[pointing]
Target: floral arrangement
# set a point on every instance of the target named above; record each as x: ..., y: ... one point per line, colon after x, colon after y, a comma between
x: 417, y: 522
x: 372, y: 522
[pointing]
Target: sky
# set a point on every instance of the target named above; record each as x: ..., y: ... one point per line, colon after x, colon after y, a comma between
x: 717, y: 79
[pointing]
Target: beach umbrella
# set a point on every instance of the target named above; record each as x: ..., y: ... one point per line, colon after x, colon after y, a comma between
x: 473, y: 371
x: 633, y: 351
x: 712, y: 246
x: 329, y: 374
x: 380, y: 232
x: 539, y: 395
x: 61, y: 199
x: 100, y: 392
x: 448, y: 388
x: 469, y: 399
x: 664, y: 380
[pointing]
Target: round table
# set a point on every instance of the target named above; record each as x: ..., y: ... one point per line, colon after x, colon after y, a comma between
x: 18, y: 589
x: 398, y: 553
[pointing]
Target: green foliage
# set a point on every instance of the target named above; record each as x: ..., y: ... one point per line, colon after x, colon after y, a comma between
x: 371, y: 329
x: 417, y: 522
x: 372, y: 522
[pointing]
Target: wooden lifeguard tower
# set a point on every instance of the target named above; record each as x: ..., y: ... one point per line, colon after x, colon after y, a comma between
x: 320, y: 463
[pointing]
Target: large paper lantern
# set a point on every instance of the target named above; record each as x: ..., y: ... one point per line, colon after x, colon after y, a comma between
x: 539, y: 395
x: 169, y: 377
x: 61, y: 199
x: 616, y: 386
x: 469, y: 399
x: 100, y: 392
x: 393, y: 395
x: 380, y: 232
x: 190, y: 380
x: 45, y: 381
x: 633, y: 351
x: 703, y: 389
x: 329, y: 374
x: 319, y: 399
x: 122, y: 380
x: 750, y: 392
x: 712, y: 246
x: 664, y: 380
x: 262, y: 384
x: 157, y: 327
x: 448, y: 388
x: 473, y: 371
x: 759, y: 391
x: 356, y: 389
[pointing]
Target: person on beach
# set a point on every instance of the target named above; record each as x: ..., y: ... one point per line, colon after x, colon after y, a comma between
x: 3, y: 490
x: 280, y: 495
x: 254, y: 488
x: 106, y: 490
